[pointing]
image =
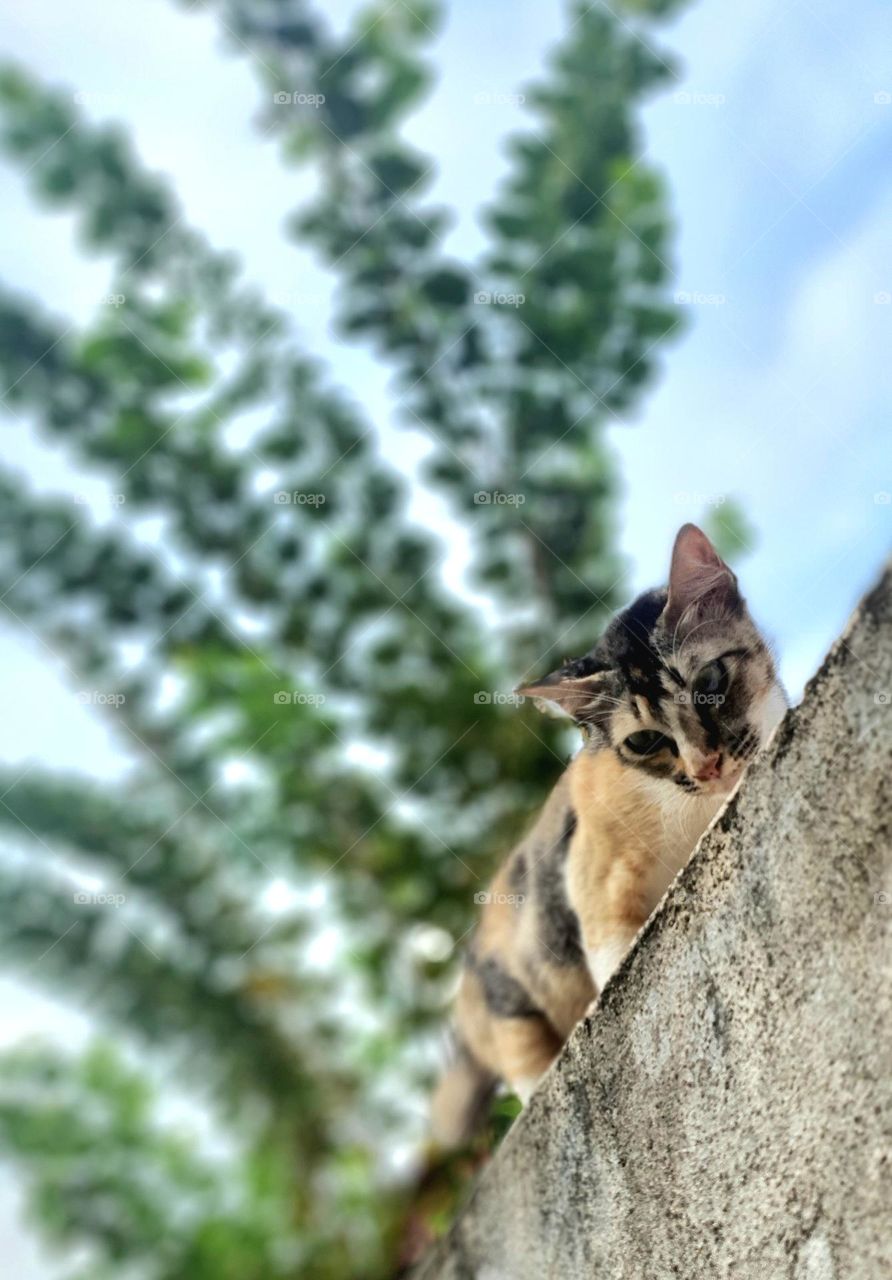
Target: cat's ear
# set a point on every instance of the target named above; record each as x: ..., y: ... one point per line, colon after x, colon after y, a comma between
x: 576, y: 694
x: 698, y: 577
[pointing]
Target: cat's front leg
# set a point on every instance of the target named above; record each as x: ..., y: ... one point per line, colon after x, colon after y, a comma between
x: 604, y: 953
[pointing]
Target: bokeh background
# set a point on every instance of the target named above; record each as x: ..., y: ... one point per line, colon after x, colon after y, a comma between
x: 357, y: 362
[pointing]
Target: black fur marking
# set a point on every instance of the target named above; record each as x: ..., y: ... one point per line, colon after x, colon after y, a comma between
x: 627, y: 646
x: 682, y: 780
x: 745, y: 744
x: 505, y: 996
x: 557, y: 925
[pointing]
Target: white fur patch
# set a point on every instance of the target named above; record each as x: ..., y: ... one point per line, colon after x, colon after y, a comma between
x: 772, y: 711
x: 524, y: 1087
x: 604, y: 961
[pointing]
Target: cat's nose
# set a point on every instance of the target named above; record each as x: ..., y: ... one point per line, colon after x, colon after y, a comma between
x: 710, y: 767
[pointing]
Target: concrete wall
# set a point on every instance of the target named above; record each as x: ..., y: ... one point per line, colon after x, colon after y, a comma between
x: 727, y: 1111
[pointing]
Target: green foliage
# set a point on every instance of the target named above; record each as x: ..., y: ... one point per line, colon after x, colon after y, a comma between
x: 279, y: 910
x: 731, y: 531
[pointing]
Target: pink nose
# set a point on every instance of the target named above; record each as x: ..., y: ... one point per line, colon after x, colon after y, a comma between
x: 711, y: 767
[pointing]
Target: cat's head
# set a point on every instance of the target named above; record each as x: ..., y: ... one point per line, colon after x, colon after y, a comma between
x: 681, y: 684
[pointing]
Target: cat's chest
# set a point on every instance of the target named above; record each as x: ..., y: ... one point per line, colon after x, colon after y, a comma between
x: 670, y: 828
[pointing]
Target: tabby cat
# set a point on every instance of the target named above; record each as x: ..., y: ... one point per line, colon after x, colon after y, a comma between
x: 674, y: 701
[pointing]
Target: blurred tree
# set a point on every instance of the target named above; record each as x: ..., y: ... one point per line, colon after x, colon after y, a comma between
x: 729, y: 527
x: 321, y: 761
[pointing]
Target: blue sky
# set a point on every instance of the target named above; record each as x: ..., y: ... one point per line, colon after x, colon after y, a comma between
x: 775, y: 147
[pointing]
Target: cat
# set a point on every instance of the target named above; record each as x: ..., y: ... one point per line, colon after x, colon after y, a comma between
x: 674, y: 701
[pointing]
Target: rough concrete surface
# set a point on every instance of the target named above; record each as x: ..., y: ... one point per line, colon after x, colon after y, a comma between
x: 726, y: 1112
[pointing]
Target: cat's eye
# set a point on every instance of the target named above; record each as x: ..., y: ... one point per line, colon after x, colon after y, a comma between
x: 712, y: 681
x: 646, y: 742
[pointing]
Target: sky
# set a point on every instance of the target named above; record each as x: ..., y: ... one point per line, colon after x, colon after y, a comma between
x: 774, y: 143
